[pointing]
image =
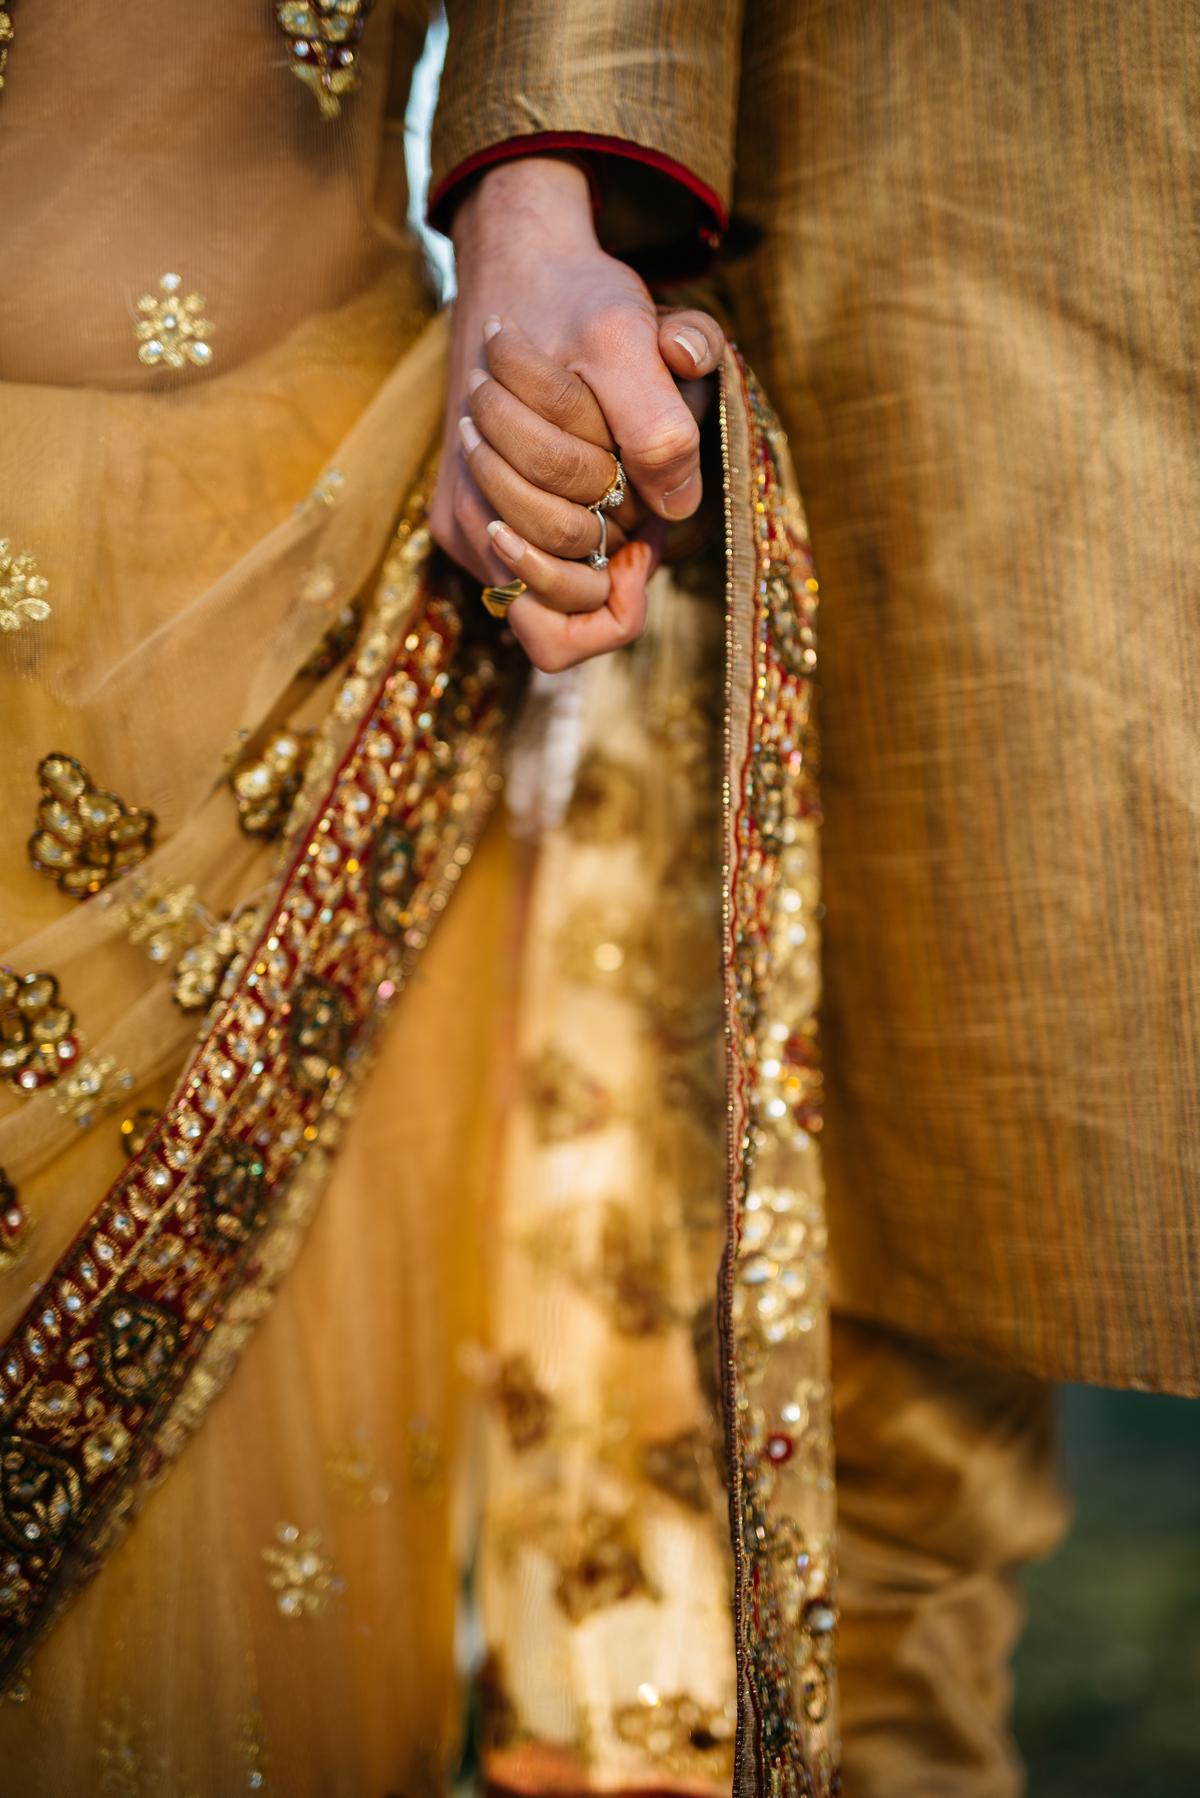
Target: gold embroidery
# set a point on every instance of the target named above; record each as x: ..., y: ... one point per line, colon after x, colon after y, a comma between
x: 92, y: 1089
x: 85, y: 836
x: 6, y: 37
x: 136, y: 1129
x: 323, y: 37
x: 527, y: 1410
x: 38, y: 1041
x: 106, y: 1447
x: 154, y: 1301
x: 22, y: 589
x: 599, y: 1565
x: 678, y: 1465
x: 201, y: 969
x: 172, y: 329
x: 266, y: 781
x: 357, y: 1476
x: 14, y: 1225
x: 566, y: 1101
x: 682, y: 1735
x: 164, y: 917
x: 607, y: 801
x: 53, y: 1405
x: 300, y: 1572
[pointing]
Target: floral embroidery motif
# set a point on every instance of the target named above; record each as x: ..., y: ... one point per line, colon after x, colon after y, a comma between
x: 106, y: 1447
x: 38, y: 1042
x: 677, y: 1465
x: 148, y: 1308
x: 39, y: 1493
x: 22, y: 589
x: 201, y: 969
x: 324, y: 36
x: 679, y: 1733
x: 6, y: 37
x: 357, y: 1476
x: 172, y: 330
x: 565, y: 1099
x: 266, y: 781
x: 607, y: 801
x: 526, y: 1408
x: 600, y: 1566
x: 164, y: 918
x: 300, y: 1572
x: 92, y: 1089
x: 85, y: 836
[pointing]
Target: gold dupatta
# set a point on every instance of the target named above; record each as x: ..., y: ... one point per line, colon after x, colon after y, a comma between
x: 143, y: 1314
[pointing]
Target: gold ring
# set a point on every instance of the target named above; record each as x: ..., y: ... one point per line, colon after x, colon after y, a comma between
x: 497, y: 600
x: 614, y: 493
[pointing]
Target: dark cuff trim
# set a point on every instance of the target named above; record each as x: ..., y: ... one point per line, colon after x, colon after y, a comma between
x: 440, y: 208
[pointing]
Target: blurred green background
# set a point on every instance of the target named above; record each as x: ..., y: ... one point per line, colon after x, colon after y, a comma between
x: 1108, y: 1692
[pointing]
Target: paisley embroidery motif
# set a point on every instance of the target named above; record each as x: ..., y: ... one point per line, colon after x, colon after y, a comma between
x: 39, y: 1494
x: 319, y: 1034
x: 136, y: 1348
x: 230, y: 1185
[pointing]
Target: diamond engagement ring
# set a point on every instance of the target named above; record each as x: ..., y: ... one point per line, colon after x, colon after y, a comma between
x: 614, y: 493
x: 599, y: 556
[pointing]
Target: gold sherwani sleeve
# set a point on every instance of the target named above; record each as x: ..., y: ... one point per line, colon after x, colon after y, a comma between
x: 656, y: 82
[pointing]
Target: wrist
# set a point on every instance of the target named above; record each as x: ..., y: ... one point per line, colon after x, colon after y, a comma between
x: 537, y: 203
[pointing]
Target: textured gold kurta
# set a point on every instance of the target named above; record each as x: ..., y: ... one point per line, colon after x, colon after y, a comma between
x: 963, y: 258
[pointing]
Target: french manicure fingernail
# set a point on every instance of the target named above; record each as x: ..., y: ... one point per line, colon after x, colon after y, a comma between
x: 469, y: 434
x: 490, y: 326
x: 475, y: 379
x: 511, y: 547
x: 693, y: 343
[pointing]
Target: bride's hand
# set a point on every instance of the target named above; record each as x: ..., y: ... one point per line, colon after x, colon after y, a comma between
x: 540, y: 452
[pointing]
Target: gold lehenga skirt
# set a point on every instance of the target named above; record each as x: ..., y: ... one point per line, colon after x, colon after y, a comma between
x: 567, y: 1130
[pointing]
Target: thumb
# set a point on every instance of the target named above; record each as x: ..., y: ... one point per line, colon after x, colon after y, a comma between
x: 658, y: 439
x: 691, y: 343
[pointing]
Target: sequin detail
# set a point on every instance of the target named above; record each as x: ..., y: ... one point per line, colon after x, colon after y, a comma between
x: 38, y: 1040
x: 323, y: 38
x: 147, y: 1310
x: 773, y: 1288
x: 266, y: 781
x: 22, y: 589
x: 172, y: 331
x: 300, y: 1573
x: 85, y: 836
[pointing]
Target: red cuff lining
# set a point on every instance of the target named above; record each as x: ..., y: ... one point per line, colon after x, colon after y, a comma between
x: 575, y: 140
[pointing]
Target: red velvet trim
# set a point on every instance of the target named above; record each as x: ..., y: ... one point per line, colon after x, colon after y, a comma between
x: 587, y: 141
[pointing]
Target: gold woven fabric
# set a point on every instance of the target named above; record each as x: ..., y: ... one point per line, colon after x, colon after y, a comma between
x: 964, y: 262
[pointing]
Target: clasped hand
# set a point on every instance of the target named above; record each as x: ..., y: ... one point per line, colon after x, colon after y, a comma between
x: 559, y: 355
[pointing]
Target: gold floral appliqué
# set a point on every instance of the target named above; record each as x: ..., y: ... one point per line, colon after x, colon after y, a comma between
x: 22, y: 589
x: 172, y: 330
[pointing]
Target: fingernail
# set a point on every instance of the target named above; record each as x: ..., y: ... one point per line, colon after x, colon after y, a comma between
x: 693, y: 343
x: 511, y: 547
x: 475, y: 379
x: 469, y: 434
x: 683, y: 508
x: 490, y: 327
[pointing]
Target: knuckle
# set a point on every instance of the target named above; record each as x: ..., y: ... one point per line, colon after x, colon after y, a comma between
x: 667, y: 442
x: 556, y: 463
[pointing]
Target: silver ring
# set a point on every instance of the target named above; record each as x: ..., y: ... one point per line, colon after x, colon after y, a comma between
x: 599, y: 556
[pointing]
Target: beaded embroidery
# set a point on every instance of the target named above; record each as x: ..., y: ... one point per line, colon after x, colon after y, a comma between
x: 323, y: 36
x: 22, y: 589
x: 85, y: 836
x: 773, y: 1295
x: 172, y: 329
x: 149, y: 1307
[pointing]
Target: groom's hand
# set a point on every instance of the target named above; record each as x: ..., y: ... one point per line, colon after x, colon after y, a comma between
x: 527, y: 251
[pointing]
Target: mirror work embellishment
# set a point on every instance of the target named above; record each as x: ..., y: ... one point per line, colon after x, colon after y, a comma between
x: 85, y: 836
x: 172, y: 331
x: 22, y: 589
x: 323, y: 37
